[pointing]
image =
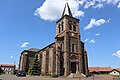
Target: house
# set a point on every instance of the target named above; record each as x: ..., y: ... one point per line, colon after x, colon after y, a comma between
x: 99, y: 70
x: 64, y: 56
x: 8, y: 68
x: 104, y: 70
x: 114, y: 72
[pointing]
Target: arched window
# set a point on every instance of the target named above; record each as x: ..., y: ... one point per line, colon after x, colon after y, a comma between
x: 62, y: 26
x: 74, y: 28
x: 70, y: 26
x: 61, y: 47
x: 59, y: 28
x: 74, y: 48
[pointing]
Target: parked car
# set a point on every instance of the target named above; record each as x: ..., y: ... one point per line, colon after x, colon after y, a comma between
x: 21, y: 73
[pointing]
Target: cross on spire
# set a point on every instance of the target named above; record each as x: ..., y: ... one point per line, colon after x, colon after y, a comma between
x: 67, y: 10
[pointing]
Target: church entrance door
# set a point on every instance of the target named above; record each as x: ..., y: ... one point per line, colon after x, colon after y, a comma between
x: 73, y: 67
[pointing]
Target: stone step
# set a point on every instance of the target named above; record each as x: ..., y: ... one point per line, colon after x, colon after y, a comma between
x: 76, y: 75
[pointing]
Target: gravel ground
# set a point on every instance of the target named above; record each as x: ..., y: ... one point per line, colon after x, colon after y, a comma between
x: 13, y: 77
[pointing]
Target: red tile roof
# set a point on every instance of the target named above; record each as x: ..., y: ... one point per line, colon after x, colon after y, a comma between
x: 99, y: 69
x: 117, y: 69
x: 7, y: 65
x: 17, y: 68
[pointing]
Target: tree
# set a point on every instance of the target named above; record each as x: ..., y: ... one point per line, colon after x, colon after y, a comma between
x: 1, y: 71
x: 35, y: 70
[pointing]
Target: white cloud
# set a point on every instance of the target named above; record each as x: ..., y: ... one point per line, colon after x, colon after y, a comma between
x: 117, y: 54
x: 111, y: 1
x: 108, y: 20
x: 86, y: 40
x: 11, y: 57
x: 92, y: 41
x: 25, y: 44
x: 98, y: 6
x: 52, y: 9
x: 99, y: 3
x: 81, y: 2
x: 79, y: 13
x: 118, y: 5
x: 94, y: 22
x: 99, y: 22
x: 88, y: 4
x: 97, y: 34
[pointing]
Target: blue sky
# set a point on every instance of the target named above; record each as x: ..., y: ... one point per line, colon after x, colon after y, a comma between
x: 28, y: 24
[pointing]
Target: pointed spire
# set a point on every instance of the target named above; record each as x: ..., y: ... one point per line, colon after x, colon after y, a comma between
x: 67, y: 10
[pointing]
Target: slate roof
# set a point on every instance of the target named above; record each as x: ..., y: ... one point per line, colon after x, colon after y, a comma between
x: 47, y: 46
x: 33, y: 49
x: 37, y: 50
x: 67, y: 13
x: 67, y: 10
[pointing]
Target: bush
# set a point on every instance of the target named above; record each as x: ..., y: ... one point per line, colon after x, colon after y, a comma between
x: 1, y: 71
x: 54, y: 75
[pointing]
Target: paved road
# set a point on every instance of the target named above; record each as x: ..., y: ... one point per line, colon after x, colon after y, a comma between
x: 13, y: 77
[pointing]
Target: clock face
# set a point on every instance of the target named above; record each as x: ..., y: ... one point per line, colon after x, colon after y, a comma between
x: 73, y: 34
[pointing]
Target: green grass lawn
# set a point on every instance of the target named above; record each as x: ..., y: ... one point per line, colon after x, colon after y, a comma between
x: 5, y: 74
x: 117, y: 77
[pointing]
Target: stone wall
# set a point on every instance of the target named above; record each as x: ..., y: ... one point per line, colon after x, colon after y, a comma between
x: 43, y: 68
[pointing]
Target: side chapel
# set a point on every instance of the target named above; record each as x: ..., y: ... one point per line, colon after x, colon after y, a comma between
x: 64, y: 56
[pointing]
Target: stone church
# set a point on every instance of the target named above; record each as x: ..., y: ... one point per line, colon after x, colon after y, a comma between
x: 64, y: 56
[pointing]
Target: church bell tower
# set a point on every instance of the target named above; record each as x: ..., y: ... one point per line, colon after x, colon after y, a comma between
x: 68, y: 44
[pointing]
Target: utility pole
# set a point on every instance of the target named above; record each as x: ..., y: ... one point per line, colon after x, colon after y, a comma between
x: 14, y: 68
x: 93, y: 77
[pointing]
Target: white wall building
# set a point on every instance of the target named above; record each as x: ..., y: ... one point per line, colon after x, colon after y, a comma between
x: 114, y: 72
x: 8, y: 68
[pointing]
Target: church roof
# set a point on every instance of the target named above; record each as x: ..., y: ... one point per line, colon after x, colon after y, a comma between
x: 47, y: 46
x: 37, y: 50
x: 67, y: 10
x: 67, y: 13
x: 33, y: 49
